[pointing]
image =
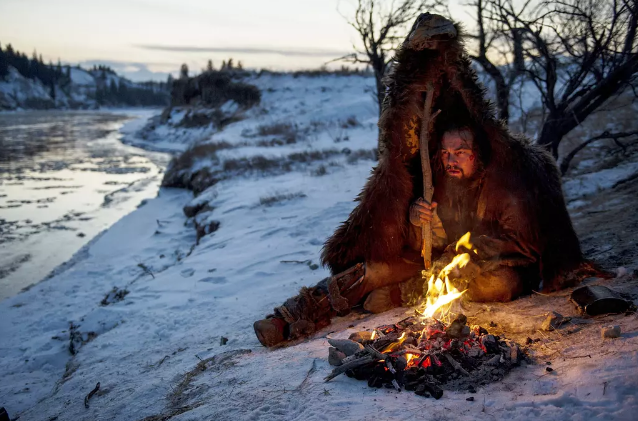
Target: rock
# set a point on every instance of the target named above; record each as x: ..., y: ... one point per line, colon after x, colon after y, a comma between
x: 193, y: 209
x: 610, y: 332
x: 553, y: 321
x: 458, y: 328
x: 515, y: 354
x: 335, y: 356
x: 490, y: 344
x: 346, y: 346
x: 361, y: 337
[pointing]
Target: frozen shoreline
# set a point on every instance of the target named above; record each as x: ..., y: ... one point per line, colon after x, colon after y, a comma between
x: 145, y: 350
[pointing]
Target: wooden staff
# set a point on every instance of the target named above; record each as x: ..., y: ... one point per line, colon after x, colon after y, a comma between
x: 428, y: 187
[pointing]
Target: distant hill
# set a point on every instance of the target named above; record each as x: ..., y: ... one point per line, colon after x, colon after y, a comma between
x: 31, y: 84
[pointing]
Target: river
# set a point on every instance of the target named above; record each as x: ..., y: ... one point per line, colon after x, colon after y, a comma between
x: 65, y: 176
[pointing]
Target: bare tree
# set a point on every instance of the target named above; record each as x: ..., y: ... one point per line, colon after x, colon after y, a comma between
x: 498, y: 50
x: 381, y: 26
x: 577, y: 53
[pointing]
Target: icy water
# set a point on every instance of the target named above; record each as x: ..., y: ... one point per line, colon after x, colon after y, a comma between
x: 64, y: 177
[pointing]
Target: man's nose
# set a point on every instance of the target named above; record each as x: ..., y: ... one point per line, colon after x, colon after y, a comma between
x: 451, y: 159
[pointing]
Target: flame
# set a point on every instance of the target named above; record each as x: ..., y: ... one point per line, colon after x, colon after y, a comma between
x: 465, y: 242
x: 409, y: 357
x: 393, y: 346
x: 374, y: 333
x: 441, y: 292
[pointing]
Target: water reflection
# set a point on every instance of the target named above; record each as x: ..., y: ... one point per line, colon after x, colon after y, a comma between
x: 64, y: 177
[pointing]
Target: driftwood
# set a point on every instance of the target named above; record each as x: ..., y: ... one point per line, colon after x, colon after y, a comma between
x: 428, y: 187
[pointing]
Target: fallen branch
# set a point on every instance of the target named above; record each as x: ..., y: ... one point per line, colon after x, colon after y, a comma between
x: 90, y: 395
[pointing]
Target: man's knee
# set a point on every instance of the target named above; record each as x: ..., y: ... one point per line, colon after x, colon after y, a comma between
x: 501, y: 285
x: 381, y: 274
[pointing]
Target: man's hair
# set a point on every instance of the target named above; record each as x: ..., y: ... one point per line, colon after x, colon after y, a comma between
x: 460, y: 122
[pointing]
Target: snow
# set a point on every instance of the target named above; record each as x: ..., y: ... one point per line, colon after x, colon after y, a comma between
x: 184, y: 296
x: 81, y: 77
x: 16, y: 91
x: 591, y: 183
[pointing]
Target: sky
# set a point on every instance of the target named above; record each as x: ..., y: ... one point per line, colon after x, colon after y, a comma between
x: 147, y: 39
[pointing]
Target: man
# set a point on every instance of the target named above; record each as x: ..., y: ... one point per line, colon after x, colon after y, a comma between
x: 503, y: 190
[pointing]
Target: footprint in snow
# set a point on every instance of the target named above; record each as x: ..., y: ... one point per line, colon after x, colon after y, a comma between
x: 214, y: 280
x: 187, y: 273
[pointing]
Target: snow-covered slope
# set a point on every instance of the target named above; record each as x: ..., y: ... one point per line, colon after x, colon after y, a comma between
x: 286, y: 177
x: 18, y: 92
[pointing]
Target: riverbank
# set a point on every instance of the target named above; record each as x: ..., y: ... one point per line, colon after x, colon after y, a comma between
x: 143, y: 308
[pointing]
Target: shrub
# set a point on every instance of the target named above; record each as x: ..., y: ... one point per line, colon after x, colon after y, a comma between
x: 280, y: 197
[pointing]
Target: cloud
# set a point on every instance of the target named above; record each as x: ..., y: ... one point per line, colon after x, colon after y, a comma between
x: 246, y: 50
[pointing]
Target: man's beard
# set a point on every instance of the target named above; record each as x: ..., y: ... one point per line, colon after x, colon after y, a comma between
x: 457, y: 188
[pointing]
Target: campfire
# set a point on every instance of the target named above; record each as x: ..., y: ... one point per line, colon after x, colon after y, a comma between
x: 433, y: 350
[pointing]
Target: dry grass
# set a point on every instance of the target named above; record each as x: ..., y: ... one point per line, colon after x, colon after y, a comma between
x: 198, y: 152
x: 279, y: 197
x: 349, y: 122
x: 363, y: 154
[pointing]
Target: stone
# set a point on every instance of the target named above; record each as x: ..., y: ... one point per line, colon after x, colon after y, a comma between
x: 346, y: 346
x: 553, y: 321
x: 610, y: 332
x: 515, y: 354
x: 335, y: 357
x: 361, y: 337
x: 490, y: 344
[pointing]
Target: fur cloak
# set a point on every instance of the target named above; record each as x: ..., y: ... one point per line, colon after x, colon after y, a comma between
x: 516, y: 170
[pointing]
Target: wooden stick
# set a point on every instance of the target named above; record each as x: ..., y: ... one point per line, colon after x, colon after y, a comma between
x: 375, y: 353
x: 456, y: 365
x: 428, y: 187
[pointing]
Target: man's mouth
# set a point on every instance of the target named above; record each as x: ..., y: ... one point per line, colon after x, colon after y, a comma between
x: 454, y: 171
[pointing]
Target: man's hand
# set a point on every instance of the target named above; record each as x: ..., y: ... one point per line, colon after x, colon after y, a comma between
x: 421, y: 212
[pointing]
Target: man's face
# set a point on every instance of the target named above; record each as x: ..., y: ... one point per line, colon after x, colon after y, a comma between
x: 457, y: 156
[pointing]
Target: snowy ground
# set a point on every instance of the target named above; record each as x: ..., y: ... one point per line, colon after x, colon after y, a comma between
x: 157, y: 353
